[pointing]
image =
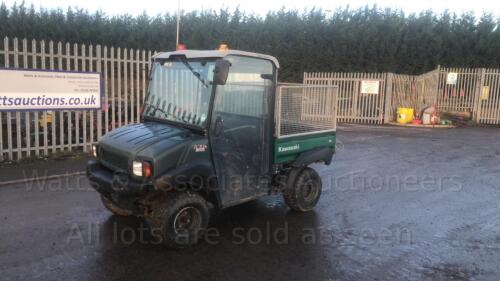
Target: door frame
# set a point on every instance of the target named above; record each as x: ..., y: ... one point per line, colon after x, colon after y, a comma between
x: 270, y: 136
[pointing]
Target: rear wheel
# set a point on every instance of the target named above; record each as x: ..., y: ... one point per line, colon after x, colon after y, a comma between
x: 303, y: 190
x: 113, y: 208
x: 181, y: 221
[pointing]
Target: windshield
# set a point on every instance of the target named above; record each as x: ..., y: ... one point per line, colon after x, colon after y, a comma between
x: 179, y: 91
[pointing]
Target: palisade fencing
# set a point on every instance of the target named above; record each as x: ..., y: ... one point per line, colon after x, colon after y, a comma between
x: 475, y: 92
x: 124, y: 71
x: 459, y: 97
x: 352, y: 105
x: 488, y: 105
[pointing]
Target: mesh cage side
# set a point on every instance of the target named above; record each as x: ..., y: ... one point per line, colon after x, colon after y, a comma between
x: 305, y: 109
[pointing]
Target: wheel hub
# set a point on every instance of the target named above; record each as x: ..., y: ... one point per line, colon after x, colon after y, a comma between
x: 309, y: 191
x: 187, y: 219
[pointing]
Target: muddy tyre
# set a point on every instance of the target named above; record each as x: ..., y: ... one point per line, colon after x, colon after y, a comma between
x: 181, y: 220
x: 303, y: 190
x: 113, y: 208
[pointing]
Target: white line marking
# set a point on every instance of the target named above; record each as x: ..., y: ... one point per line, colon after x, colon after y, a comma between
x: 41, y: 178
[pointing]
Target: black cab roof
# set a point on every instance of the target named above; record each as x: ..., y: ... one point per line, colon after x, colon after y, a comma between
x: 193, y: 54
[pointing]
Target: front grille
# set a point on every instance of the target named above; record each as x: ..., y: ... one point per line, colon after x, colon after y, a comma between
x: 113, y: 160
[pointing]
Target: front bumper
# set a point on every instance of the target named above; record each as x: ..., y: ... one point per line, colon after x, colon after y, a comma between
x: 109, y: 183
x: 124, y: 191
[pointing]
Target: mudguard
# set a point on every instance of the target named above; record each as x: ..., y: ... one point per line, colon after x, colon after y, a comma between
x: 324, y: 154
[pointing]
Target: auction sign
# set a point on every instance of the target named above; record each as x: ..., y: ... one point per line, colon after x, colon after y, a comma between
x: 34, y: 90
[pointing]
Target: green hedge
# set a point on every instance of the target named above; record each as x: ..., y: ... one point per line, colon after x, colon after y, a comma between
x: 369, y: 39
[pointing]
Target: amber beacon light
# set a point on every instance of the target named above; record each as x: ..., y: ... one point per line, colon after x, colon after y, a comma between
x: 223, y: 47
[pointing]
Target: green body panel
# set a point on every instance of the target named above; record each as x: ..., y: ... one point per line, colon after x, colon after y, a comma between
x: 164, y: 146
x: 167, y: 147
x: 288, y: 149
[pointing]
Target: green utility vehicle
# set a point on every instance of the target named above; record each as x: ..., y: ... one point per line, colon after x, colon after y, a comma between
x: 217, y: 130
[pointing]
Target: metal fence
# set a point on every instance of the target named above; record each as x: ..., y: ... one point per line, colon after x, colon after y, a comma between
x: 474, y: 91
x: 477, y: 91
x: 125, y: 71
x: 458, y: 97
x: 354, y: 106
x: 26, y: 134
x: 488, y: 100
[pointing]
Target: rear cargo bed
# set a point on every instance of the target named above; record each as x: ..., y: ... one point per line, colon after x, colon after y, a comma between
x: 288, y: 149
x: 305, y: 120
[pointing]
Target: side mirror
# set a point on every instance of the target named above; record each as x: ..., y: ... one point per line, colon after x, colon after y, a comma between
x: 267, y: 77
x: 221, y: 72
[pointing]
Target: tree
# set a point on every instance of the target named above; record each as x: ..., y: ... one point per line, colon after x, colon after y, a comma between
x: 368, y: 39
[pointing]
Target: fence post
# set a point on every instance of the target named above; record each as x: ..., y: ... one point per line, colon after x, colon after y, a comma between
x: 388, y: 98
x: 9, y: 116
x: 17, y: 115
x: 1, y: 120
x: 99, y: 112
x: 476, y: 114
x: 438, y: 83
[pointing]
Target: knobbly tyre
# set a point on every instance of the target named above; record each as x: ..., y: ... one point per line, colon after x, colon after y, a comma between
x: 217, y: 130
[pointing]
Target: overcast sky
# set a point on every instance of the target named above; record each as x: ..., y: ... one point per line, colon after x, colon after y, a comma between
x: 153, y: 7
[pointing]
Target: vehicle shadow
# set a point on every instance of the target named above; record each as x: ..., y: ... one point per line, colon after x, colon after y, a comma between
x: 255, y: 240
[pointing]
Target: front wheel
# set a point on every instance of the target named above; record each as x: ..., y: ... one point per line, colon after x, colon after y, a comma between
x: 303, y: 190
x: 181, y: 220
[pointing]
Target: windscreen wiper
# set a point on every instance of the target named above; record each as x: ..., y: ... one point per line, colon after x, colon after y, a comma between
x: 155, y: 108
x: 195, y: 73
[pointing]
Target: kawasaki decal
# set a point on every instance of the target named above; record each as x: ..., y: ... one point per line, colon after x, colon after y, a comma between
x: 288, y: 148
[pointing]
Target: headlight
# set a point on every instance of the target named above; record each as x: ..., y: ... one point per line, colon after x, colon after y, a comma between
x: 137, y: 168
x: 141, y: 169
x: 94, y: 150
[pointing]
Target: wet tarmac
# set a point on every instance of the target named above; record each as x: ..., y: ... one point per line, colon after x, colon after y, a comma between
x: 397, y: 204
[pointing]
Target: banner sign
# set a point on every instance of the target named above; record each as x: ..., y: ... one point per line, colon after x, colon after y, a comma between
x: 370, y: 87
x: 485, y: 94
x: 34, y: 90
